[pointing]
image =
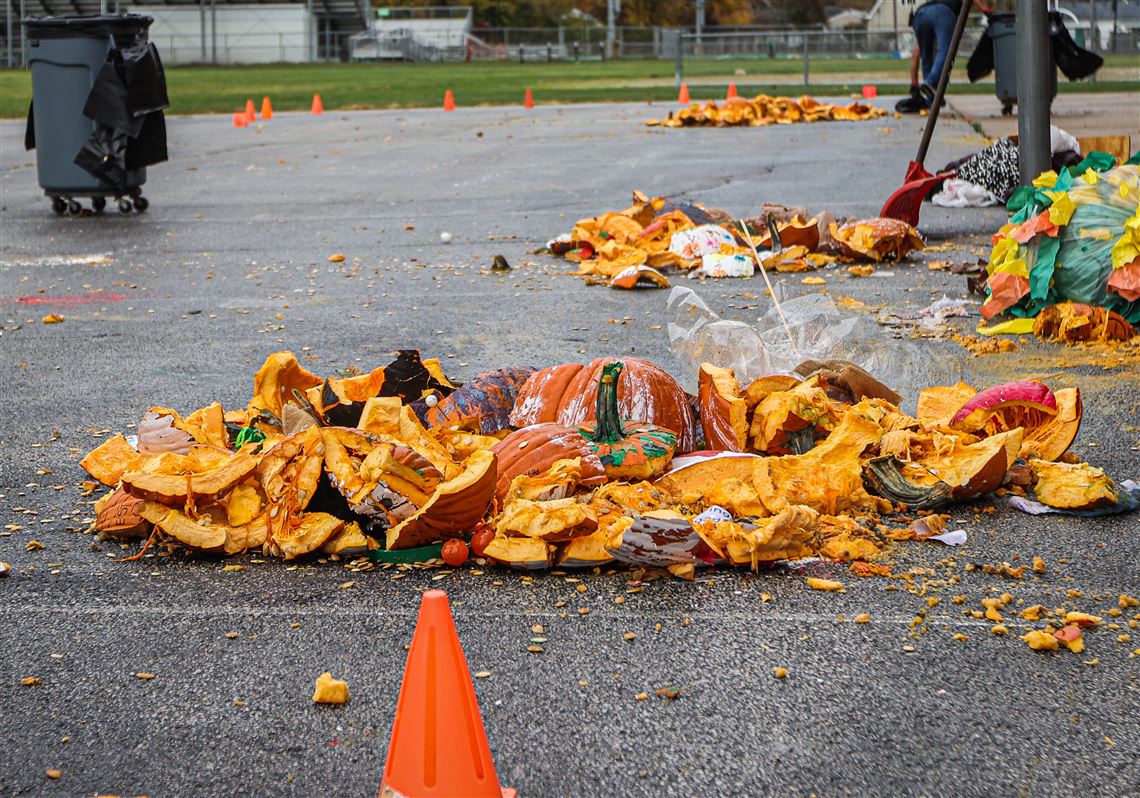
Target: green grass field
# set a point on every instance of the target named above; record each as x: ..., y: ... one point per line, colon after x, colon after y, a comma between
x: 195, y: 90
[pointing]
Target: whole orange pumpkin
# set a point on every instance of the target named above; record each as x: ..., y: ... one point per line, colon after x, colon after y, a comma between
x: 567, y: 395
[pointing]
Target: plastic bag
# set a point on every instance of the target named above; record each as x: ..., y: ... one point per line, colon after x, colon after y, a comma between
x: 815, y: 330
x: 957, y: 193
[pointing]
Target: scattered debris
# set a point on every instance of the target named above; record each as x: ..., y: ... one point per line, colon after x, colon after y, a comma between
x: 764, y: 110
x: 329, y: 690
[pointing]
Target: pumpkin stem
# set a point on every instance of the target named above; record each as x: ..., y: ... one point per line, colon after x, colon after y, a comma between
x: 606, y: 413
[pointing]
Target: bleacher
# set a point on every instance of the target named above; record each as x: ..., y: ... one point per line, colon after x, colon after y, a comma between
x: 430, y: 33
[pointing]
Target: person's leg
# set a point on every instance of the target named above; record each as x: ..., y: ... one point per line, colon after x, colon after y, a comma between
x: 924, y: 38
x: 942, y: 20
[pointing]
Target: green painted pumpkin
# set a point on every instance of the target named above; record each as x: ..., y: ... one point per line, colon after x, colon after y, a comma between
x: 628, y: 449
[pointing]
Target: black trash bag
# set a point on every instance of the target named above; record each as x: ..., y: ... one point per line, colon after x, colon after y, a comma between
x: 145, y: 79
x: 107, y: 102
x: 149, y: 147
x: 104, y: 155
x: 1074, y: 61
x: 981, y: 61
x: 30, y: 131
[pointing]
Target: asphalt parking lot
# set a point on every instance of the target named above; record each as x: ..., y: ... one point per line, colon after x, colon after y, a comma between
x: 180, y: 305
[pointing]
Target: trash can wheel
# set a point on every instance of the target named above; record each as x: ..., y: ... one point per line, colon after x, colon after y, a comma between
x: 1007, y: 109
x: 59, y: 205
x: 141, y: 203
x: 73, y: 207
x: 98, y: 204
x: 125, y: 205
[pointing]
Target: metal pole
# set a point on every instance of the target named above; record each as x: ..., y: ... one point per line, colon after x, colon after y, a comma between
x: 611, y: 19
x: 895, y: 17
x: 1033, y: 64
x: 202, y: 26
x: 23, y: 36
x: 312, y: 32
x: 8, y: 50
x: 103, y: 7
x: 1094, y: 45
x: 213, y: 31
x: 700, y: 25
x: 678, y: 62
x: 807, y: 60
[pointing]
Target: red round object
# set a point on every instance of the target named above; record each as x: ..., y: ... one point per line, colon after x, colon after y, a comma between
x: 454, y: 552
x: 481, y: 540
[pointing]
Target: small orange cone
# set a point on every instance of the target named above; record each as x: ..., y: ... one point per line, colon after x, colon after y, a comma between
x: 683, y: 94
x: 528, y: 100
x: 731, y: 93
x: 266, y: 109
x: 318, y: 107
x: 239, y: 119
x: 250, y: 112
x: 438, y: 747
x: 870, y: 92
x: 448, y: 101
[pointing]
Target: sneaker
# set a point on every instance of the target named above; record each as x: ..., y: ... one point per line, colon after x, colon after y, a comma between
x: 912, y: 104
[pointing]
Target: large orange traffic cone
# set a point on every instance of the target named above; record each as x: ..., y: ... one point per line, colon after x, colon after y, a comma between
x: 528, y: 100
x: 438, y: 747
x: 266, y: 109
x: 239, y: 119
x: 683, y: 94
x: 448, y: 101
x: 731, y: 93
x: 318, y: 106
x: 250, y: 112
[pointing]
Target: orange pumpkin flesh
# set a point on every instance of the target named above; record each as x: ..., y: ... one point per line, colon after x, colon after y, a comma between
x: 1076, y: 486
x: 723, y: 412
x: 533, y: 450
x: 453, y: 509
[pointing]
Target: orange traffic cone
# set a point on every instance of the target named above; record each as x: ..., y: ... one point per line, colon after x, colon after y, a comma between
x: 266, y: 109
x: 731, y: 93
x: 239, y: 119
x: 528, y: 100
x: 438, y: 747
x: 448, y: 101
x: 250, y: 112
x: 318, y: 107
x: 683, y: 94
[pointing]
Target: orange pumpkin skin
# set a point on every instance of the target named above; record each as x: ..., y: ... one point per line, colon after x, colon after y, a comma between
x: 566, y: 394
x: 534, y: 449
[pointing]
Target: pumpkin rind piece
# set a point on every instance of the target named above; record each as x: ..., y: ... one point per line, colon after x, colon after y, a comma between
x: 553, y: 521
x: 306, y: 535
x: 484, y: 404
x: 202, y: 536
x: 108, y: 461
x: 201, y: 485
x: 276, y: 380
x: 724, y: 414
x: 1073, y: 486
x: 454, y: 508
x: 117, y: 514
x: 533, y: 450
x: 938, y: 404
x: 207, y: 426
x: 977, y: 410
x: 523, y: 553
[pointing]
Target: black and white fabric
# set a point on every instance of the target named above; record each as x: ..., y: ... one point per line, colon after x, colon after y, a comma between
x: 995, y: 168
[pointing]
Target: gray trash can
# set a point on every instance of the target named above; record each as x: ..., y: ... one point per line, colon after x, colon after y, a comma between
x: 66, y: 56
x: 1002, y: 31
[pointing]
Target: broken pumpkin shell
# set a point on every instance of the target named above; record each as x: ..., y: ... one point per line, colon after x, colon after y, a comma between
x: 724, y: 414
x: 628, y: 449
x: 553, y: 521
x: 483, y: 404
x: 1073, y: 486
x: 117, y: 514
x: 973, y: 415
x: 198, y: 486
x: 639, y: 277
x: 523, y: 553
x: 454, y: 507
x: 533, y: 450
x: 111, y: 459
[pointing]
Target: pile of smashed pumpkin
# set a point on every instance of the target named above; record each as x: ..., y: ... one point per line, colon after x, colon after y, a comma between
x: 577, y: 465
x: 630, y: 246
x: 764, y: 110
